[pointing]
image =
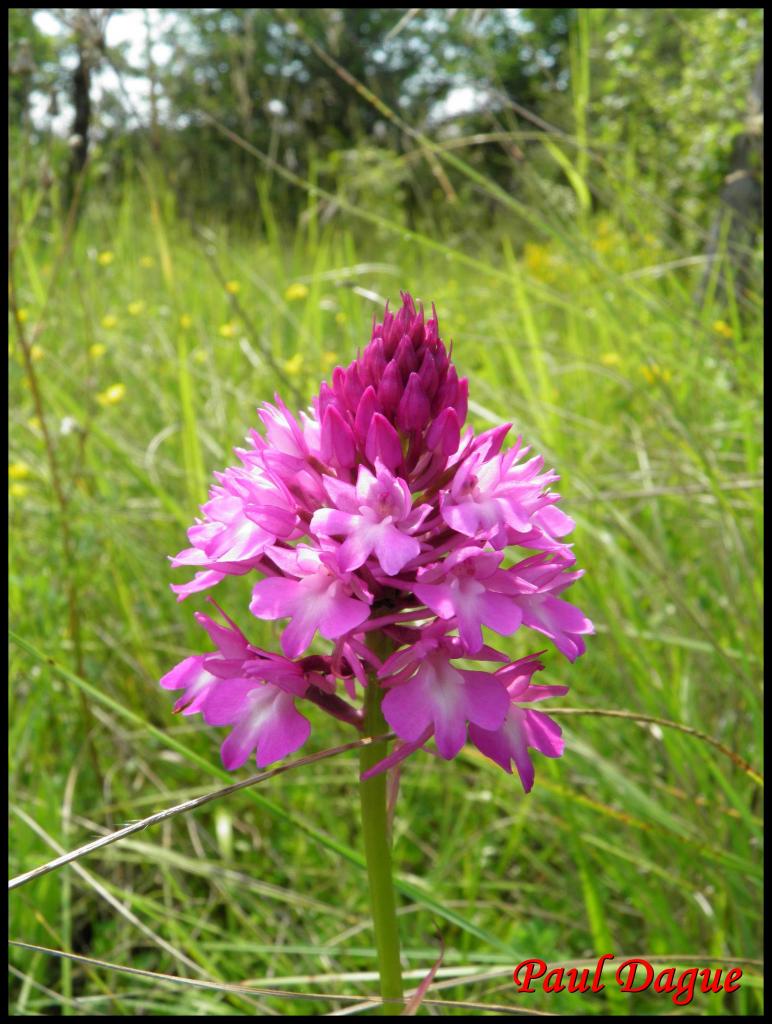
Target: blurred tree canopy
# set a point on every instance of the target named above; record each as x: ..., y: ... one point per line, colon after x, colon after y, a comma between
x: 664, y: 91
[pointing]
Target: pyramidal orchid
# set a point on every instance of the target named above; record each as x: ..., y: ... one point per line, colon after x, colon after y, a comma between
x: 384, y: 535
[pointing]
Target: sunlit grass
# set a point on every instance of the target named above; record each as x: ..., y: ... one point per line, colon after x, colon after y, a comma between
x: 151, y: 351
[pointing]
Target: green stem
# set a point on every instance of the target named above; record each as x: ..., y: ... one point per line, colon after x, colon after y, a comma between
x: 372, y: 794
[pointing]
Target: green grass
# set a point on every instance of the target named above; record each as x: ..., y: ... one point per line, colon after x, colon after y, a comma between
x: 640, y: 840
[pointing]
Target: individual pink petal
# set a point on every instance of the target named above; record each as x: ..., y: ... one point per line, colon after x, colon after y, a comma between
x: 237, y: 747
x: 395, y: 549
x: 297, y: 636
x: 341, y: 615
x: 501, y: 613
x: 358, y: 547
x: 487, y: 700
x: 400, y: 752
x: 559, y: 620
x: 287, y: 731
x: 198, y: 683
x: 437, y: 597
x: 273, y: 598
x: 543, y: 734
x: 230, y: 642
x: 330, y: 522
x: 201, y: 581
x: 407, y: 709
x: 554, y: 521
x: 266, y: 721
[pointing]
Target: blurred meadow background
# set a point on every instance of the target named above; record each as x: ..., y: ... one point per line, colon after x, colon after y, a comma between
x: 209, y: 206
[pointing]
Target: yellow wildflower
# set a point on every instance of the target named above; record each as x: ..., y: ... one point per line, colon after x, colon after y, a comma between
x: 18, y: 471
x: 34, y: 423
x: 109, y: 321
x: 296, y: 292
x: 294, y: 365
x: 232, y: 287
x: 200, y: 355
x: 186, y: 321
x: 97, y: 351
x: 17, y: 490
x: 147, y: 262
x: 329, y: 359
x: 723, y: 328
x: 136, y: 307
x: 36, y: 353
x: 653, y: 372
x: 104, y: 259
x: 227, y: 330
x: 112, y: 395
x: 23, y: 315
x: 611, y: 359
x: 538, y: 260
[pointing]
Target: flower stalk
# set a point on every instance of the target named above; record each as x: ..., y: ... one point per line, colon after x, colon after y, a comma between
x: 377, y: 843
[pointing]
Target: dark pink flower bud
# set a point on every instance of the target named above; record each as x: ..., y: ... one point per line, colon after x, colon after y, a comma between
x: 337, y: 442
x: 383, y: 443
x: 444, y: 433
x: 325, y: 398
x: 414, y: 409
x: 352, y: 387
x: 371, y: 371
x: 405, y: 357
x: 460, y: 404
x: 390, y: 388
x: 367, y: 408
x: 428, y: 374
x: 447, y: 394
x: 339, y: 383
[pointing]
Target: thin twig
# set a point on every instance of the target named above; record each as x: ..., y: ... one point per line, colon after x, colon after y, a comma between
x: 223, y: 986
x: 688, y: 729
x: 702, y: 958
x: 187, y: 805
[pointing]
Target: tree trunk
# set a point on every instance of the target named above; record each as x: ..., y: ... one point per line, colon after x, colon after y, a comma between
x: 88, y: 27
x: 740, y: 215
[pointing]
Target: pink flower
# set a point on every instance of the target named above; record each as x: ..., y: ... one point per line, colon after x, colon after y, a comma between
x: 533, y: 584
x: 490, y: 492
x: 437, y: 697
x: 266, y: 720
x: 522, y: 727
x: 320, y: 599
x: 375, y: 517
x: 190, y: 676
x: 466, y: 590
x: 377, y: 510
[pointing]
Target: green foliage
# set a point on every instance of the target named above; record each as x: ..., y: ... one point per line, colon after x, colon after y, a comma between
x: 602, y: 370
x: 575, y: 319
x: 667, y: 87
x: 672, y: 90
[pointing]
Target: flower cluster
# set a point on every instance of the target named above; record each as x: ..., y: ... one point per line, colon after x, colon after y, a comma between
x: 376, y: 514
